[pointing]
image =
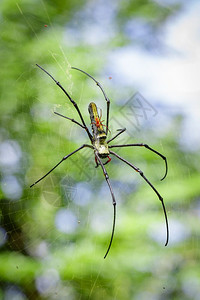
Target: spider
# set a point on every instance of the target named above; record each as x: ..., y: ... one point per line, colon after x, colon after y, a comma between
x: 102, y: 148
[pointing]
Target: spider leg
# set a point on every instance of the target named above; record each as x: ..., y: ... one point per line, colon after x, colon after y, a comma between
x: 120, y: 132
x: 72, y: 101
x: 149, y: 148
x: 109, y: 159
x: 113, y: 201
x: 151, y: 185
x: 105, y: 96
x: 74, y: 121
x: 96, y: 162
x: 64, y: 158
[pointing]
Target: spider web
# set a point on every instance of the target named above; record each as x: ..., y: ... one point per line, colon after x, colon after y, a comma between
x: 67, y: 202
x: 76, y: 206
x: 54, y: 236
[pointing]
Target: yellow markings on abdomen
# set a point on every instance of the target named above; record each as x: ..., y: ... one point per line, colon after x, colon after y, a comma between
x: 94, y: 116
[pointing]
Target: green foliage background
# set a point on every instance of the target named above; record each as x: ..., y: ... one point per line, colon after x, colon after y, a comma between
x: 37, y: 260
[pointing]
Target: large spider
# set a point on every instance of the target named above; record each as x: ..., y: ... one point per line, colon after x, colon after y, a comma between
x: 101, y: 147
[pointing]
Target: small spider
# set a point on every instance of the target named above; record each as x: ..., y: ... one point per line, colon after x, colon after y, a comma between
x: 101, y: 147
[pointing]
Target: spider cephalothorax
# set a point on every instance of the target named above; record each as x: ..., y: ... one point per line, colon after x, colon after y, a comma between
x: 100, y: 146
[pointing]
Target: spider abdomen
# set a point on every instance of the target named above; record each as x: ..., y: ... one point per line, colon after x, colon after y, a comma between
x: 97, y: 126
